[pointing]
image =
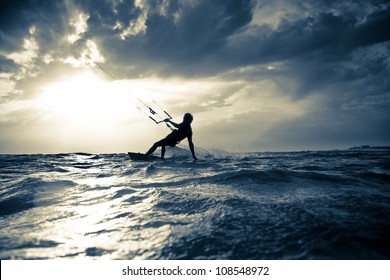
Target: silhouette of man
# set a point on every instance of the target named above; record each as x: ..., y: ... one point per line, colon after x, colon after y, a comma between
x: 183, y: 131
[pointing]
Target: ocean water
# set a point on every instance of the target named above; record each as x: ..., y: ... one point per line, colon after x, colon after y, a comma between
x: 301, y: 205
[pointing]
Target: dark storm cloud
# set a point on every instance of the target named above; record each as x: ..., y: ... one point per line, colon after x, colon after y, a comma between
x: 182, y: 40
x: 103, y: 15
x: 200, y: 31
x: 6, y: 64
x: 206, y: 37
x: 326, y: 37
x: 40, y: 22
x: 14, y: 24
x: 16, y: 17
x: 202, y: 37
x: 318, y: 50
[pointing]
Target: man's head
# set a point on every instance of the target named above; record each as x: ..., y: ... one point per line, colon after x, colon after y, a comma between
x: 187, y: 118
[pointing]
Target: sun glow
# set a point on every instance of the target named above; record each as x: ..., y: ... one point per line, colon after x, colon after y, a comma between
x: 85, y: 100
x: 86, y: 112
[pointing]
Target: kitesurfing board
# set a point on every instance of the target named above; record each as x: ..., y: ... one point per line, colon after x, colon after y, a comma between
x: 139, y: 156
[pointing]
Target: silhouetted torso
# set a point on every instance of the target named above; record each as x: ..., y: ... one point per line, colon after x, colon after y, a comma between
x: 179, y: 134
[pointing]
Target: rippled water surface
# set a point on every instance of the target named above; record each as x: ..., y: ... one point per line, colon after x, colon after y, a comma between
x: 304, y: 205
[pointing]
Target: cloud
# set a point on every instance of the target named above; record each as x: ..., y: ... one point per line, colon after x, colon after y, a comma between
x: 25, y: 57
x: 171, y: 34
x: 79, y: 23
x: 89, y: 57
x: 207, y: 37
x: 136, y: 26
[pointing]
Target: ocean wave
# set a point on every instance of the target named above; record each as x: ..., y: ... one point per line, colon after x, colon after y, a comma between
x: 11, y: 244
x: 300, y: 205
x: 29, y: 193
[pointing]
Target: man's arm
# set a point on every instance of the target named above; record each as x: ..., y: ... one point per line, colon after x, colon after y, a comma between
x: 191, y: 147
x: 171, y: 122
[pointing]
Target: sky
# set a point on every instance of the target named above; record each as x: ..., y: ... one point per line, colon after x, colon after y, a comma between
x: 283, y: 75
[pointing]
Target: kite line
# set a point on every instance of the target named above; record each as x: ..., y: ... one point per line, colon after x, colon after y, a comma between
x: 152, y: 114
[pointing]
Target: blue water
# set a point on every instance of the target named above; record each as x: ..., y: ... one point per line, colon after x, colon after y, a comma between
x: 303, y: 205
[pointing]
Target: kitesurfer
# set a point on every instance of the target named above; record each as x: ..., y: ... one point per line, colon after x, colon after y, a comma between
x: 183, y: 131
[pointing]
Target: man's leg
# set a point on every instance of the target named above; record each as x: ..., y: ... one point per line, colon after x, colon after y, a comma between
x: 152, y: 149
x: 155, y: 146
